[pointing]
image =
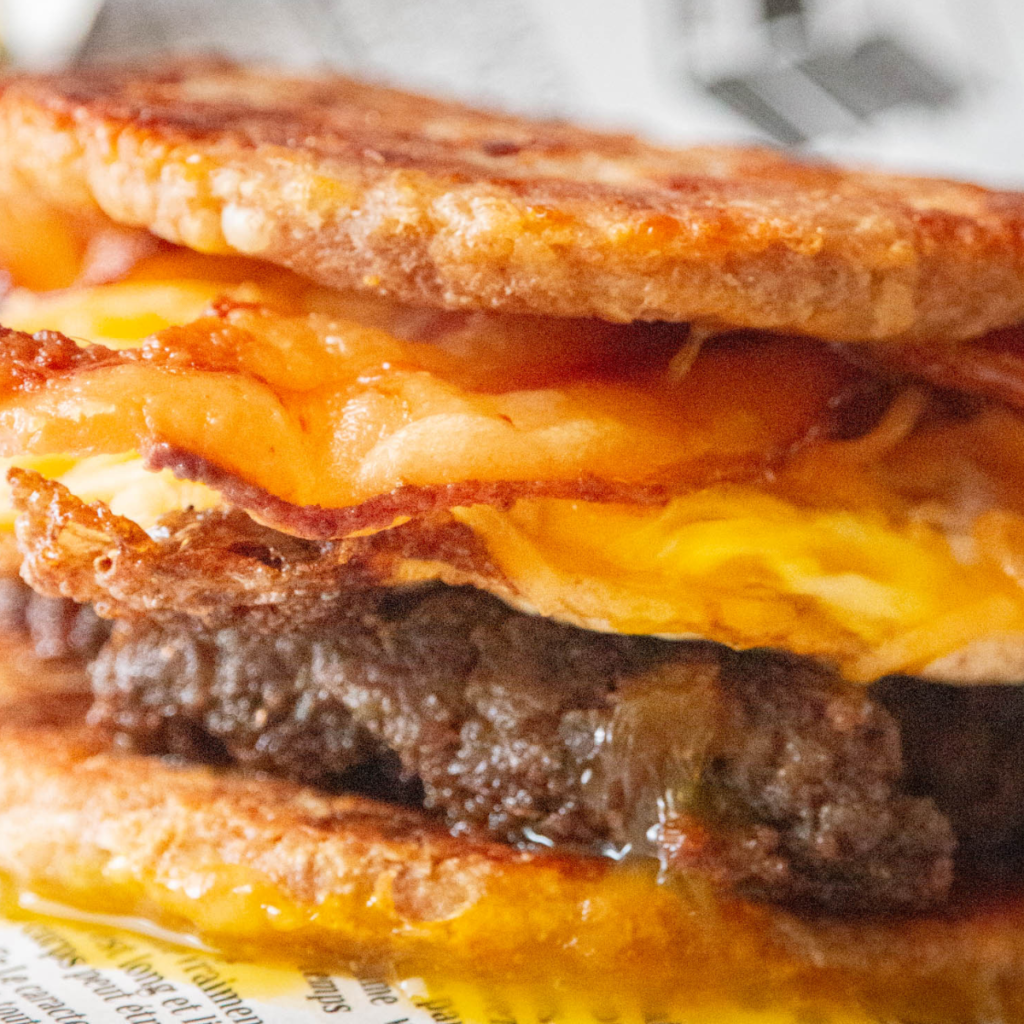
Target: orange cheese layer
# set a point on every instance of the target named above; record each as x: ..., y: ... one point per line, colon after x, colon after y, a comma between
x: 318, y: 411
x: 39, y: 248
x: 887, y: 553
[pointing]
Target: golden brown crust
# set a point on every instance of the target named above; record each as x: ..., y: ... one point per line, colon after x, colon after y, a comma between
x: 261, y: 866
x: 220, y: 564
x: 430, y: 202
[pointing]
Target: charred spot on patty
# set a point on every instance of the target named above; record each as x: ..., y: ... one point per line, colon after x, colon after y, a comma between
x: 533, y: 731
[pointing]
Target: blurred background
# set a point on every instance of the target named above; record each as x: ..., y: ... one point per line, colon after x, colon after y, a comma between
x: 928, y: 85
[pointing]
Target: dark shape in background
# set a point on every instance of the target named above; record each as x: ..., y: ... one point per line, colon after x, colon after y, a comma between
x: 804, y: 87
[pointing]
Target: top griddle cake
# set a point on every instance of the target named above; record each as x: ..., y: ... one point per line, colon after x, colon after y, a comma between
x: 434, y: 203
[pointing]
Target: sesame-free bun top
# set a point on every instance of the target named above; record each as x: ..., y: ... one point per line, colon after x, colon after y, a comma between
x: 359, y: 186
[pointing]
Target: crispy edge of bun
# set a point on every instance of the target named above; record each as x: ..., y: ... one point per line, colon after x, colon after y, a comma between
x: 260, y: 867
x: 435, y: 203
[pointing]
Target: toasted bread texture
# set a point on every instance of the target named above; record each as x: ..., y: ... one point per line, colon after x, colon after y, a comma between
x: 264, y: 868
x: 434, y: 203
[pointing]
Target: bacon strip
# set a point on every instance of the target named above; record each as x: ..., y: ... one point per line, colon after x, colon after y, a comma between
x: 992, y: 366
x: 314, y: 522
x: 323, y: 428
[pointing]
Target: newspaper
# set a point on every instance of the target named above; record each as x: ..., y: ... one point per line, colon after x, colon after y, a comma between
x: 74, y: 974
x: 67, y: 972
x: 80, y: 968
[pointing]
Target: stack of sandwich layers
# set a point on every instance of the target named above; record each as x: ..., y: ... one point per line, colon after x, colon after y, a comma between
x: 457, y: 540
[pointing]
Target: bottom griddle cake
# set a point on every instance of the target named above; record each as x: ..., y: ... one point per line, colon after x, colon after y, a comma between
x: 262, y: 866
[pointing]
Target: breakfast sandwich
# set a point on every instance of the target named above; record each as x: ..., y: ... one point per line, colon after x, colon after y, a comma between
x: 440, y: 541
